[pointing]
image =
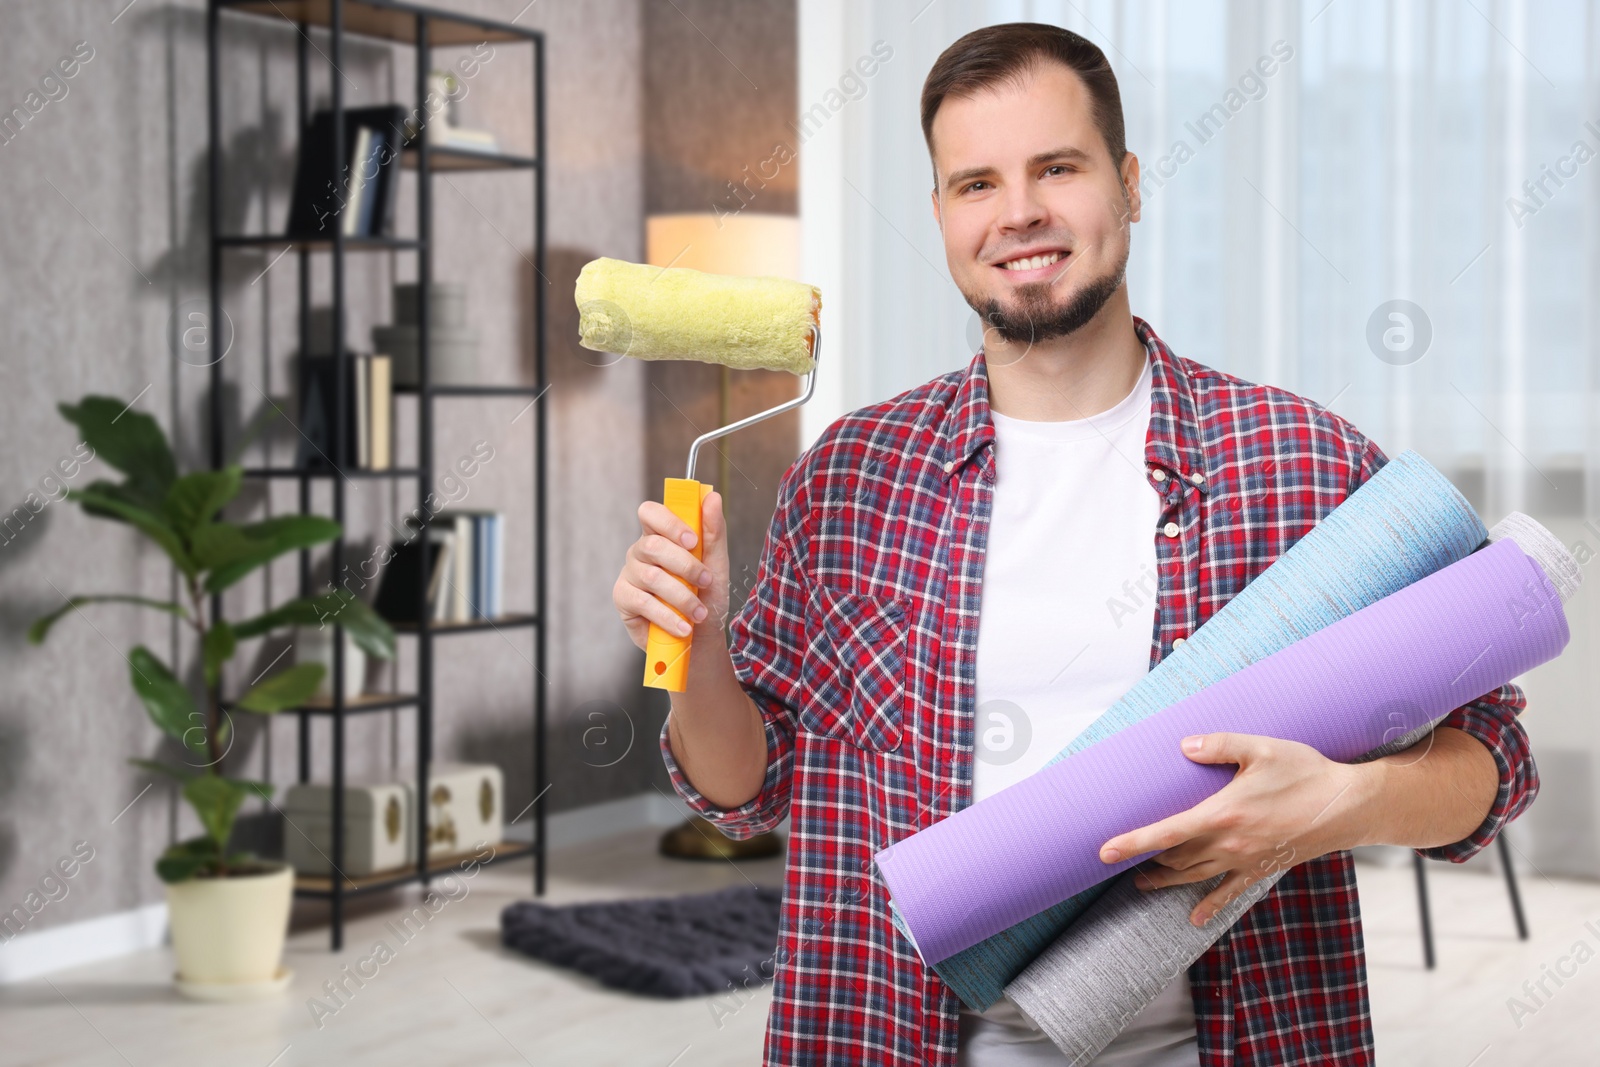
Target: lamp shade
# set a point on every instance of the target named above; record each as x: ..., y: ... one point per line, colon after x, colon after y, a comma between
x: 748, y: 244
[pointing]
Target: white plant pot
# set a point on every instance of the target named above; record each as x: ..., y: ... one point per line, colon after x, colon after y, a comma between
x: 228, y: 933
x: 314, y: 644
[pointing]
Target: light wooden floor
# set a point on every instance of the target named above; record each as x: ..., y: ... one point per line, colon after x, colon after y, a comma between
x: 452, y: 996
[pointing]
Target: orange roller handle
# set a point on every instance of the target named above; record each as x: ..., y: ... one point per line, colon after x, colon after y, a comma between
x: 666, y: 663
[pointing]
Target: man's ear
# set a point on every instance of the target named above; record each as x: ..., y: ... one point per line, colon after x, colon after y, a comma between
x: 933, y: 194
x: 1130, y: 184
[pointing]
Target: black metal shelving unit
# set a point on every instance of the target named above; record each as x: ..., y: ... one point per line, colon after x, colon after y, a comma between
x: 422, y: 29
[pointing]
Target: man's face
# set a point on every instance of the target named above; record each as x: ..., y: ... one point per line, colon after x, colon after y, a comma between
x: 1024, y: 172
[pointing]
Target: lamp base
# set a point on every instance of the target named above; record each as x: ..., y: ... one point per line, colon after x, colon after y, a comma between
x: 697, y: 839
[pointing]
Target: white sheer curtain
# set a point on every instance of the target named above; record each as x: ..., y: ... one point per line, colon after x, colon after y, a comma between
x: 1306, y: 164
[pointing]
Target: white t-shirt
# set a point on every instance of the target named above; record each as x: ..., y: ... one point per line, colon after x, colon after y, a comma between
x: 1064, y: 630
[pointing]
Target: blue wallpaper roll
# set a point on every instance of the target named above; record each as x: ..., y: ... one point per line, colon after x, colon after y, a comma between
x: 1405, y: 523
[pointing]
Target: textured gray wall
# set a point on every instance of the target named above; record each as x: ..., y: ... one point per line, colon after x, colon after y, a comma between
x: 102, y: 241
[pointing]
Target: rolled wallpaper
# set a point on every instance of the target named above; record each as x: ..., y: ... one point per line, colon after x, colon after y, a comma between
x: 1355, y: 685
x: 1407, y: 521
x: 1128, y: 945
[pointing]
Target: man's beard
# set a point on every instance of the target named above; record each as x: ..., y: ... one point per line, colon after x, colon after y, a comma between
x: 1037, y: 318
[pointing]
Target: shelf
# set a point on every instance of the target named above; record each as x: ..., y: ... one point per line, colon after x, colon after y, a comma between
x: 317, y: 244
x: 307, y: 27
x: 314, y: 885
x: 471, y: 390
x: 503, y: 622
x: 440, y: 159
x: 364, y: 702
x: 329, y: 472
x: 387, y: 20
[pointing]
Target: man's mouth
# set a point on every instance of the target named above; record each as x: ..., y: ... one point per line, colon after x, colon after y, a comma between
x: 1032, y: 266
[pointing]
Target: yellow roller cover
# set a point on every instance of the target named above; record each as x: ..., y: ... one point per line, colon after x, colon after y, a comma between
x: 646, y: 312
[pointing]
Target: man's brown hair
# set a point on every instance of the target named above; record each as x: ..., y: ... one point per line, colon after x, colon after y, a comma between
x: 1010, y: 52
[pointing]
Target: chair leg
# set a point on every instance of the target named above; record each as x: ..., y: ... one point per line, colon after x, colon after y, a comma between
x: 1511, y: 885
x: 1422, y: 906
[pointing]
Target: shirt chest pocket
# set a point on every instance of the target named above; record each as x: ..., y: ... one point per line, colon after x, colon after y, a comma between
x: 854, y: 670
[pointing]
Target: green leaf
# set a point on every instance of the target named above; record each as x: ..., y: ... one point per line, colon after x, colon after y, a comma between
x: 194, y: 498
x: 217, y: 648
x: 167, y: 700
x: 216, y: 800
x: 181, y: 774
x: 128, y: 440
x: 222, y: 544
x: 367, y: 628
x: 264, y: 790
x: 274, y: 537
x: 41, y: 626
x: 288, y: 688
x: 104, y: 499
x: 184, y: 860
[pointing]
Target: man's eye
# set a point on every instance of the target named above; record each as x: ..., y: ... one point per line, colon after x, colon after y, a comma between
x: 973, y: 185
x: 1058, y: 166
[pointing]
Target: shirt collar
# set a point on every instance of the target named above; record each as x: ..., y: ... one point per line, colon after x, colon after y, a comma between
x: 1172, y: 443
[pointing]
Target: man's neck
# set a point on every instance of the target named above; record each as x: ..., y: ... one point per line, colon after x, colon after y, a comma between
x: 1072, y: 377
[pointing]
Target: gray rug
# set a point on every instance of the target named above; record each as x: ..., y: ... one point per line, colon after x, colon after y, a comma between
x: 663, y: 946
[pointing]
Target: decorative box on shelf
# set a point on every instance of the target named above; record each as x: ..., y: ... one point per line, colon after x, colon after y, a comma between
x: 378, y: 828
x: 465, y: 808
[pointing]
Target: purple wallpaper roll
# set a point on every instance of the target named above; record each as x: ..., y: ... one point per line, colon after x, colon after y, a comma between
x: 1362, y: 681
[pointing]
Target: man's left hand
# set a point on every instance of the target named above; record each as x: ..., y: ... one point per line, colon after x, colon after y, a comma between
x: 1286, y: 804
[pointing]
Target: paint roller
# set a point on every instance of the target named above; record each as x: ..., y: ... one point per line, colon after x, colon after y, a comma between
x: 747, y: 323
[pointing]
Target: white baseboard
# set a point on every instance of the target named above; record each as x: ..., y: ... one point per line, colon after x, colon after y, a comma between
x: 37, y: 952
x: 55, y: 948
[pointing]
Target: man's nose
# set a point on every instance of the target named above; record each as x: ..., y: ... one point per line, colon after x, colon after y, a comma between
x: 1023, y: 208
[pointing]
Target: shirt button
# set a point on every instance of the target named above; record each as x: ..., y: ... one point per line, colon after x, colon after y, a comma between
x: 1197, y: 478
x: 1177, y: 643
x: 950, y: 466
x: 1158, y: 474
x: 1170, y: 529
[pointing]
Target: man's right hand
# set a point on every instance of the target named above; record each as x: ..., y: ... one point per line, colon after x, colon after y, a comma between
x: 648, y: 589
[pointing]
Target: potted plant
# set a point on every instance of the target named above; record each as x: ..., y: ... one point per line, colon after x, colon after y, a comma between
x: 228, y: 910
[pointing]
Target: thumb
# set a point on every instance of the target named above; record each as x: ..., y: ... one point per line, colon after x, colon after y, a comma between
x: 1215, y: 748
x: 714, y: 528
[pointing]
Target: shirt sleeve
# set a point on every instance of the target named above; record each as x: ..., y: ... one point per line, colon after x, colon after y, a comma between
x: 1492, y: 719
x: 766, y: 642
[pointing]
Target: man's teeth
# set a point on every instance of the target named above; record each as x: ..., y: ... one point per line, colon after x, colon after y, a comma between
x: 1034, y: 262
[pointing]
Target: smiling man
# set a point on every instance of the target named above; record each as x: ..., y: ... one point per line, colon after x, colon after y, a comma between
x: 958, y: 580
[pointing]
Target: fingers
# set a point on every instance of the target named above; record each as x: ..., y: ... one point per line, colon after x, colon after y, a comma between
x: 1157, y: 837
x: 656, y: 518
x: 1225, y: 747
x: 1154, y: 877
x: 656, y: 550
x: 635, y: 601
x: 662, y: 581
x: 1236, y: 882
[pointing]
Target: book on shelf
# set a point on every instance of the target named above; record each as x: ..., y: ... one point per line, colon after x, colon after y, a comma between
x: 357, y: 194
x: 466, y: 556
x: 396, y: 600
x: 368, y: 418
x: 461, y: 140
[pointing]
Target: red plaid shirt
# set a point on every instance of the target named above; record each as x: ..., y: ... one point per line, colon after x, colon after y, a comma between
x: 858, y: 646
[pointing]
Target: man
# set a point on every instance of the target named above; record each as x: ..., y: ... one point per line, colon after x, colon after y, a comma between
x: 1004, y: 551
